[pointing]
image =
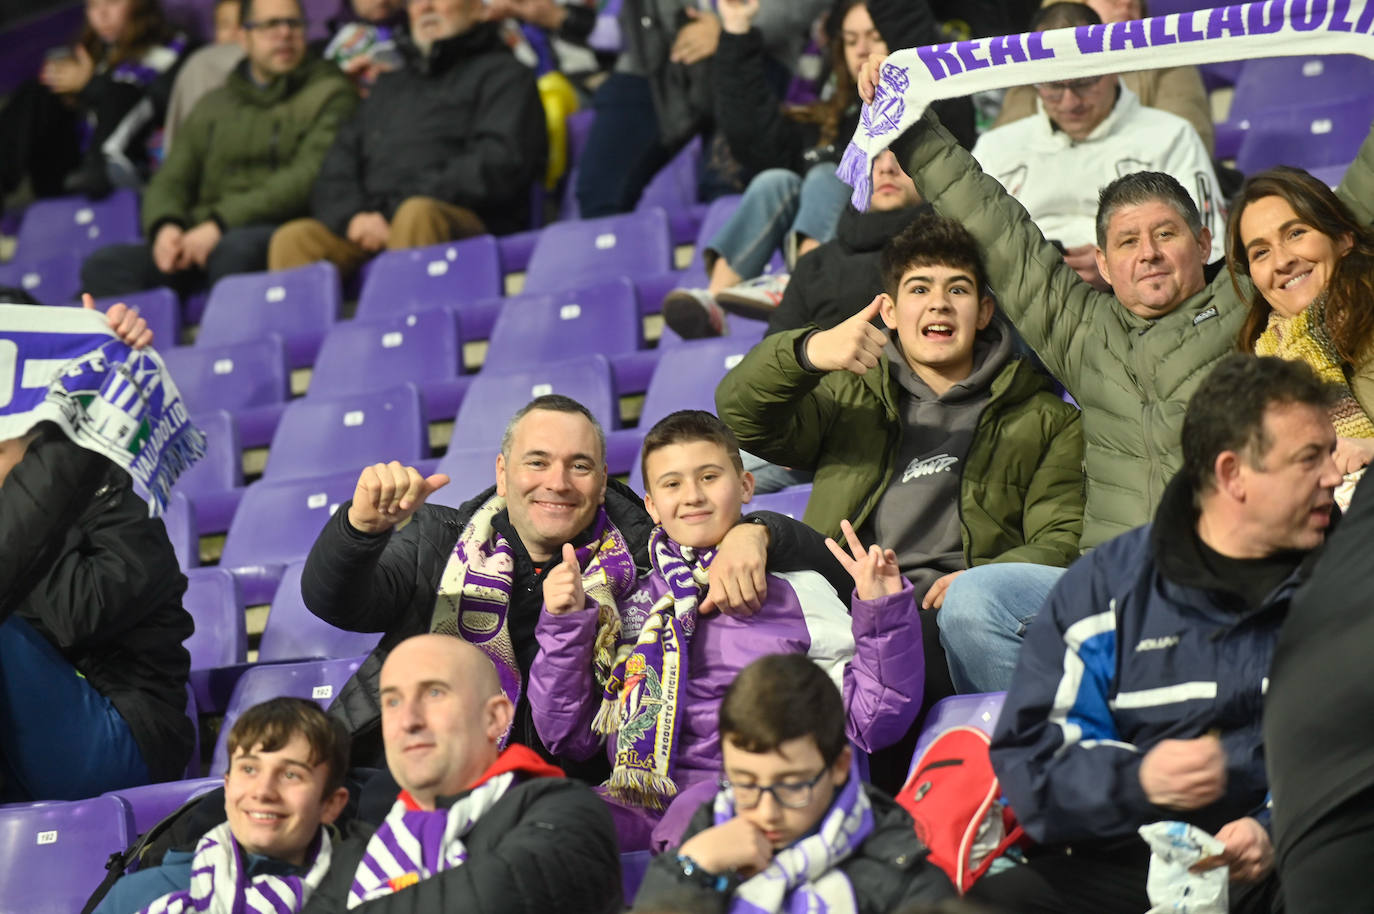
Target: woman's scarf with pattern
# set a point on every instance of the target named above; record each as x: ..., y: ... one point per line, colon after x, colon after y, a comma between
x: 641, y: 698
x: 805, y: 876
x: 1306, y: 338
x: 414, y: 844
x: 474, y: 592
x: 219, y: 884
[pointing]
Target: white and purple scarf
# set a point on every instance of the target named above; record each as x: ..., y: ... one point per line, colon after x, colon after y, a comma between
x: 474, y: 591
x: 64, y: 365
x: 641, y: 696
x: 219, y: 884
x: 414, y: 844
x: 804, y: 877
x: 912, y: 79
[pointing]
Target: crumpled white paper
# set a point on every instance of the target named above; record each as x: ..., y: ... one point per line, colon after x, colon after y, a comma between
x: 1174, y: 847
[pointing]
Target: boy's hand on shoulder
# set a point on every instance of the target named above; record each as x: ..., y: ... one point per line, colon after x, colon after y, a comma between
x: 738, y: 575
x: 563, y: 585
x: 734, y: 846
x: 874, y: 570
x: 855, y: 345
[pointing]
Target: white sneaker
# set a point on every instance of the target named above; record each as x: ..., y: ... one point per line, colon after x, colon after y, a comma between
x: 693, y: 314
x: 755, y: 298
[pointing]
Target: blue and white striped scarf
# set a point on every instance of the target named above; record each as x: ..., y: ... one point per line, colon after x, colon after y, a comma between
x: 64, y: 365
x: 219, y: 884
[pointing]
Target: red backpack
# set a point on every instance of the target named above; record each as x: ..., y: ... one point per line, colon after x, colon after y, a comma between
x: 953, y: 796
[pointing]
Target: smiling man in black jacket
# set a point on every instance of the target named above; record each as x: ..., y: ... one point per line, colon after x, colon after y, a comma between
x: 446, y: 147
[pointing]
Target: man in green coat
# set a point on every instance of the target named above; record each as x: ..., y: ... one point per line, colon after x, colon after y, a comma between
x: 1132, y: 357
x: 934, y: 439
x: 244, y: 162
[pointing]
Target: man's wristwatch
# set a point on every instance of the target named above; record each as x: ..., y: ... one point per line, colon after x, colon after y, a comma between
x: 695, y: 874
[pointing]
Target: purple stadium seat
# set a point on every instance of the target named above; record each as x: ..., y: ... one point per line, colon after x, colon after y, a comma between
x: 603, y: 318
x: 215, y: 603
x: 494, y: 397
x: 686, y: 378
x: 790, y: 501
x: 249, y: 379
x: 54, y: 279
x: 215, y: 483
x: 421, y: 347
x: 400, y: 282
x: 633, y: 866
x: 470, y: 470
x: 301, y: 304
x: 160, y: 307
x: 321, y: 435
x: 674, y: 189
x: 277, y: 523
x: 573, y: 254
x: 55, y: 853
x: 182, y: 530
x: 319, y: 680
x: 1273, y: 83
x: 293, y: 632
x: 1313, y: 136
x: 736, y: 328
x: 1332, y: 175
x: 979, y: 711
x: 77, y: 225
x: 154, y: 802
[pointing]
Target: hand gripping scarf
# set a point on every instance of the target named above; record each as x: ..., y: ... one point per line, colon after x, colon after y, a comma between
x: 1305, y: 338
x: 474, y: 591
x: 804, y: 876
x: 64, y: 365
x: 220, y: 886
x: 641, y: 698
x: 912, y: 79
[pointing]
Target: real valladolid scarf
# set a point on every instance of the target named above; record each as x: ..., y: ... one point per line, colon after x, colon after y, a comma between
x: 804, y: 876
x: 474, y: 591
x: 641, y: 697
x: 64, y: 365
x: 912, y: 79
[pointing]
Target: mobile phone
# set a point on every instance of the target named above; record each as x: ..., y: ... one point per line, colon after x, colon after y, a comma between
x: 55, y: 54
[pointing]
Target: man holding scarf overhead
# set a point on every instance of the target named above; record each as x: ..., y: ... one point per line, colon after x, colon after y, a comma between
x: 92, y: 671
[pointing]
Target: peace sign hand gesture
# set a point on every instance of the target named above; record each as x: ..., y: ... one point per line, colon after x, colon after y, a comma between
x: 874, y: 570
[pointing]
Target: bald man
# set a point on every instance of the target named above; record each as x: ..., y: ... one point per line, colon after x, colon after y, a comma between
x: 475, y: 828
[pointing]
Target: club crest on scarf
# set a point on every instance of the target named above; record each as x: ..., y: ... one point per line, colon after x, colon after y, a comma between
x: 641, y: 696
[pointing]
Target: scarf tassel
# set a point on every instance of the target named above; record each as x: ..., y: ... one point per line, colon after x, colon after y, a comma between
x: 641, y: 788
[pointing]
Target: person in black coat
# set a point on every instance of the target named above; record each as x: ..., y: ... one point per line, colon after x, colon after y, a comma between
x: 92, y: 669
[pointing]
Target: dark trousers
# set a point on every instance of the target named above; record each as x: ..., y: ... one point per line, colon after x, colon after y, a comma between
x: 623, y: 150
x: 60, y: 739
x: 123, y: 268
x: 1328, y: 868
x: 40, y: 141
x: 1102, y: 880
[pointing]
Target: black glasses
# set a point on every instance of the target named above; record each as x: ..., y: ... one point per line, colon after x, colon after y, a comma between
x: 1055, y: 91
x: 789, y: 796
x: 283, y: 22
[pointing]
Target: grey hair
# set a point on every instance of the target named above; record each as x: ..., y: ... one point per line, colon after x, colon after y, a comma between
x: 554, y: 403
x: 1145, y: 187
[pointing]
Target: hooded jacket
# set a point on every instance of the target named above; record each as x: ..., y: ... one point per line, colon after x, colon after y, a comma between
x: 462, y: 124
x: 1150, y: 645
x: 247, y: 154
x: 1021, y: 492
x: 83, y: 563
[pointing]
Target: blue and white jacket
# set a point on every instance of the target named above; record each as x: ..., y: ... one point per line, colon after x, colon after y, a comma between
x: 1138, y: 642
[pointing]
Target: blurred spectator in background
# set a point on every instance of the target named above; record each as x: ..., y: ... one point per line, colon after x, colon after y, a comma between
x: 363, y: 39
x: 206, y: 69
x: 243, y: 164
x: 446, y: 147
x: 83, y: 125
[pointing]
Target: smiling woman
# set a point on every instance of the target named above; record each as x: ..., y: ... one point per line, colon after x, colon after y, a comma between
x: 1311, y: 263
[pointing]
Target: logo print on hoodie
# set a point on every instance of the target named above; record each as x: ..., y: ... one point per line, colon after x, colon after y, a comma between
x: 928, y: 466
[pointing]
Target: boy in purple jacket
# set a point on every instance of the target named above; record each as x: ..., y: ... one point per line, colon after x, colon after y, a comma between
x: 641, y: 665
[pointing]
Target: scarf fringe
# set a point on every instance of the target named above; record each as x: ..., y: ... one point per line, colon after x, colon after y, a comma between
x: 645, y: 789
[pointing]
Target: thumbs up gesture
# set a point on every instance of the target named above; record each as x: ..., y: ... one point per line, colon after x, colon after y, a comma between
x: 563, y: 585
x: 855, y: 345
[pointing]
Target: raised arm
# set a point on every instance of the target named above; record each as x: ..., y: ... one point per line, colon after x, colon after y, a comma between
x: 1357, y: 187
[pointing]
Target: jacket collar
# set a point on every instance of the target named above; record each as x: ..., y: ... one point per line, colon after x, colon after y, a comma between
x: 445, y: 53
x: 279, y: 89
x: 520, y: 759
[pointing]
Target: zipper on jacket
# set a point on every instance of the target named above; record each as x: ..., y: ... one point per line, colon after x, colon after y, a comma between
x: 276, y: 134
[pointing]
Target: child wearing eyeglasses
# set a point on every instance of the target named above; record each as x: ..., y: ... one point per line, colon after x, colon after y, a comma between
x: 641, y: 671
x: 793, y: 827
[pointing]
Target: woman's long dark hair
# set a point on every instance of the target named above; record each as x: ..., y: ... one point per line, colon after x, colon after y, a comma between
x: 1349, y: 290
x: 829, y: 113
x: 146, y: 27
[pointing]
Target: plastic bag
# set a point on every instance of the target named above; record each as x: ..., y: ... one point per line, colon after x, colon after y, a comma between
x: 1174, y: 847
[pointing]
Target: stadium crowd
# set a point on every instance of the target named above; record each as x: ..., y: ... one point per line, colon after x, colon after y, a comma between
x: 1082, y: 412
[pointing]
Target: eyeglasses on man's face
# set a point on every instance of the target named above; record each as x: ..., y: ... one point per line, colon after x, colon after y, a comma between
x: 788, y: 794
x: 1053, y: 92
x: 290, y: 24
